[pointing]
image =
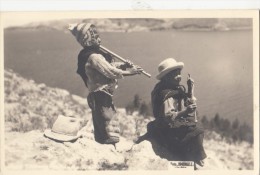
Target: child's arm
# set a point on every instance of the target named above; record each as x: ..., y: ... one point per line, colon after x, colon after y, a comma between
x: 98, y: 62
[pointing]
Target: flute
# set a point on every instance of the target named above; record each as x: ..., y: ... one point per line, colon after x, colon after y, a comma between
x: 190, y: 83
x: 102, y: 48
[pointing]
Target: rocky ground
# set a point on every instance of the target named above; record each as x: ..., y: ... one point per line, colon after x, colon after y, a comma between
x: 31, y: 108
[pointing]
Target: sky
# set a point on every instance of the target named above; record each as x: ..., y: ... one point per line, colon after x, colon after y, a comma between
x: 18, y: 19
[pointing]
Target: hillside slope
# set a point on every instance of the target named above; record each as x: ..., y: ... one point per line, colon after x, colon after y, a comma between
x: 145, y: 24
x: 30, y: 108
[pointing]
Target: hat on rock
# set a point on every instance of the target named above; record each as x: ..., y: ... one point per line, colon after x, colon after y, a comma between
x: 64, y: 129
x: 167, y: 66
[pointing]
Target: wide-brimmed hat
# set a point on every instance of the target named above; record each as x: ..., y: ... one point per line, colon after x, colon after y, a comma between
x: 85, y: 33
x: 64, y: 129
x: 167, y: 66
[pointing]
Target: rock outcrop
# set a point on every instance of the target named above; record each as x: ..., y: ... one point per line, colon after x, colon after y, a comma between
x: 31, y: 108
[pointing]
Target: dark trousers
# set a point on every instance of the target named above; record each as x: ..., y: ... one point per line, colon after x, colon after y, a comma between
x: 106, y: 129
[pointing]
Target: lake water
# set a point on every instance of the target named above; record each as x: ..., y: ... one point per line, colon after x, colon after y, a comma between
x: 221, y: 63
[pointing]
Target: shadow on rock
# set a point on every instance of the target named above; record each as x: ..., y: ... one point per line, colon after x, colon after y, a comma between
x: 159, y: 149
x: 59, y: 141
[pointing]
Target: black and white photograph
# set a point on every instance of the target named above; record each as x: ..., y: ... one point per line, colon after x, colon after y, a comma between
x: 174, y: 91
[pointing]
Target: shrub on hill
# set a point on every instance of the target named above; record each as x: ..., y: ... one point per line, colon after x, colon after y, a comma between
x: 232, y: 131
x: 137, y: 105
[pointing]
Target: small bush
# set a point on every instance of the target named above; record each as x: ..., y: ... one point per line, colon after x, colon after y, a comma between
x: 37, y: 123
x: 114, y: 166
x: 141, y: 107
x: 231, y: 131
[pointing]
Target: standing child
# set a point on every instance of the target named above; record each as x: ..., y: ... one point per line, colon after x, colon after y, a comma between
x: 100, y: 73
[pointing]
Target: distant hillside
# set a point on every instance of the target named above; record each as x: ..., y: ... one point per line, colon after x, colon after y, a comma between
x: 145, y: 24
x: 30, y: 108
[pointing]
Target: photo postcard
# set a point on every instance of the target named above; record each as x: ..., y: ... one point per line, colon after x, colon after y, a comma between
x: 169, y: 92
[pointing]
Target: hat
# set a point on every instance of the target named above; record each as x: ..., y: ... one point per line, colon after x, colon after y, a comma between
x: 64, y: 129
x: 85, y: 33
x: 167, y: 66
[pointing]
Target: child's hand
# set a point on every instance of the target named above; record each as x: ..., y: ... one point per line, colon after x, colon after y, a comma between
x: 191, y: 108
x: 129, y: 64
x: 136, y: 70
